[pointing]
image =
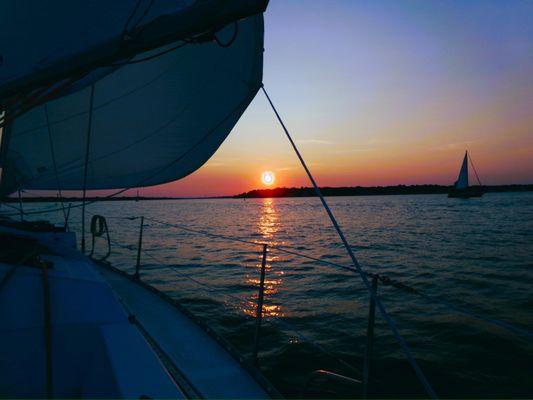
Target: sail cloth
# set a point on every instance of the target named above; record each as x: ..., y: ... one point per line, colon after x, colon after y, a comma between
x: 462, y: 180
x: 42, y: 42
x: 156, y: 117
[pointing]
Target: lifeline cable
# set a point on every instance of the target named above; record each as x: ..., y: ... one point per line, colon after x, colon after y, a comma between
x: 87, y: 144
x: 385, y: 280
x: 234, y: 307
x: 52, y: 153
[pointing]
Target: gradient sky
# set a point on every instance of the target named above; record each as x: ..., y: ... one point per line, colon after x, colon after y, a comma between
x: 384, y: 93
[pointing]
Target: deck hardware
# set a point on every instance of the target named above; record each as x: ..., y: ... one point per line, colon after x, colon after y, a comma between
x: 98, y: 229
x: 370, y: 337
x: 139, y: 249
x: 86, y: 167
x: 259, y: 314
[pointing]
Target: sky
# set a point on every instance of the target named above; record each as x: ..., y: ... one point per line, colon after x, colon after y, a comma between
x: 384, y: 93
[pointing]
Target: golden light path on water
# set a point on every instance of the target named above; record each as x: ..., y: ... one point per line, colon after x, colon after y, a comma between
x: 268, y: 226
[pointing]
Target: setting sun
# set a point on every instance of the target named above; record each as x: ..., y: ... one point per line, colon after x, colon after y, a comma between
x: 268, y: 177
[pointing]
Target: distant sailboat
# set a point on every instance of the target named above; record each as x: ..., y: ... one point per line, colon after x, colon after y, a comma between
x: 461, y: 187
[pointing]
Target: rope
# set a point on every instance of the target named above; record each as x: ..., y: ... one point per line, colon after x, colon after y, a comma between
x: 474, y: 168
x: 126, y: 32
x: 11, y: 206
x: 392, y: 325
x: 130, y: 17
x: 143, y: 15
x: 55, y: 165
x: 98, y: 228
x: 91, y: 101
x: 232, y: 39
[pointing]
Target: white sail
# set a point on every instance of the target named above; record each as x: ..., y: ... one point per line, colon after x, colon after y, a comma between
x: 42, y: 42
x: 462, y: 180
x: 152, y: 121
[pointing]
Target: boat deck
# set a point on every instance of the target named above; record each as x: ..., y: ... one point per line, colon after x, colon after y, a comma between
x: 71, y: 328
x: 208, y: 368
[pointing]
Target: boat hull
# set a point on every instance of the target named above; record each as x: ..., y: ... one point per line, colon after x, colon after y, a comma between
x: 466, y: 193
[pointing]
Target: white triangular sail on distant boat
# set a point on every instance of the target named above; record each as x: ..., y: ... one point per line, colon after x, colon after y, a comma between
x: 462, y: 180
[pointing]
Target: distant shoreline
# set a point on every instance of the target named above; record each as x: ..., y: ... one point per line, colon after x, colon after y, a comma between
x: 373, y: 190
x: 297, y: 192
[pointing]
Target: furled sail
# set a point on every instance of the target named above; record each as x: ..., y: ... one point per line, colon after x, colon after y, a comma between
x: 462, y: 180
x: 147, y: 118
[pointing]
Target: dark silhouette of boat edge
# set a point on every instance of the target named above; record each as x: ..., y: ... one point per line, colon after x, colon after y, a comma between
x: 472, y: 191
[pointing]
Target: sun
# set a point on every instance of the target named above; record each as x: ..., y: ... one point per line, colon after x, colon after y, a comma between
x: 268, y: 178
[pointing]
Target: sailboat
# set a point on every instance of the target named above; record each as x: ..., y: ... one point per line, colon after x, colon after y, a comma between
x: 100, y: 95
x: 461, y: 187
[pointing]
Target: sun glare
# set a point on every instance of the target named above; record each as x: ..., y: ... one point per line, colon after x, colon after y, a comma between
x: 267, y: 178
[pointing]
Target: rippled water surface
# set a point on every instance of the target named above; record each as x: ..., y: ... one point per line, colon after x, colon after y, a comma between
x: 475, y: 253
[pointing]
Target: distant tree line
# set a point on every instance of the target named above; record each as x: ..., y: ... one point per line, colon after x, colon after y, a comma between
x: 293, y: 192
x: 371, y: 190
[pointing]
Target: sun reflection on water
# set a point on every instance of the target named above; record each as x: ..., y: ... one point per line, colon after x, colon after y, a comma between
x: 268, y: 226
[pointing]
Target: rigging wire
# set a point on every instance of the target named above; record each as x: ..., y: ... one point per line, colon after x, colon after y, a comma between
x: 125, y: 30
x: 143, y: 15
x: 11, y: 206
x: 474, y: 168
x: 87, y: 144
x: 392, y: 325
x: 52, y: 153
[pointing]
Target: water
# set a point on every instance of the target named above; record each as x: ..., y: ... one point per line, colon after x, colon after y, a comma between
x: 476, y: 253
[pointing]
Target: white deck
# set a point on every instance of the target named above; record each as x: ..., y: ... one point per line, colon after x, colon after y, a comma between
x: 96, y: 350
x: 208, y: 367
